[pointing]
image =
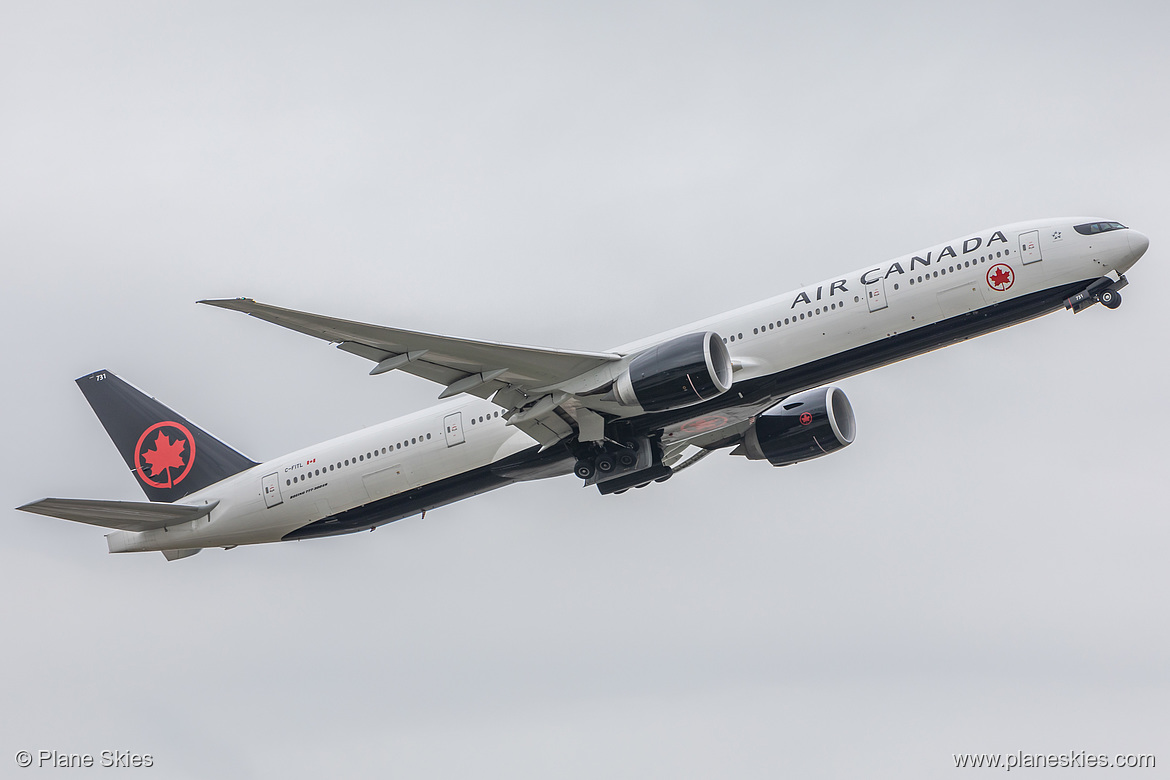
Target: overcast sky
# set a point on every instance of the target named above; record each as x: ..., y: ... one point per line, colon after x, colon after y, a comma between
x: 985, y: 570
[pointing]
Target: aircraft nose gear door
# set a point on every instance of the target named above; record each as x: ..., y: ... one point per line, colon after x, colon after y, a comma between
x: 271, y: 486
x: 453, y: 428
x: 875, y: 295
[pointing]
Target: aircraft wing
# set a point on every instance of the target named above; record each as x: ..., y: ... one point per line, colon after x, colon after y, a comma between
x: 528, y: 381
x: 122, y: 515
x: 441, y: 359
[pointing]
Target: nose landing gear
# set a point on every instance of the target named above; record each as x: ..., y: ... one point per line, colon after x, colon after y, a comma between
x: 1103, y: 291
x: 1109, y: 298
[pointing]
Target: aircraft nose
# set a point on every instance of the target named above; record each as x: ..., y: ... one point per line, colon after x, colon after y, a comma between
x: 1138, y: 244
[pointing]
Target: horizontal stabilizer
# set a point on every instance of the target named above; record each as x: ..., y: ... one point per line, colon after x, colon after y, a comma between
x: 121, y: 515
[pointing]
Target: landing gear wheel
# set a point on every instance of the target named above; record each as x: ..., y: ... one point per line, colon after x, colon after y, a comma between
x: 627, y: 458
x: 605, y: 464
x: 1110, y: 299
x: 584, y: 469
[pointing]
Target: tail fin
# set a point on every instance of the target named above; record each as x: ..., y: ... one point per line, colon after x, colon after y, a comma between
x: 170, y: 456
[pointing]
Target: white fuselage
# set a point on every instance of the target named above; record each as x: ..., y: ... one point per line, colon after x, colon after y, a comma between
x: 873, y: 303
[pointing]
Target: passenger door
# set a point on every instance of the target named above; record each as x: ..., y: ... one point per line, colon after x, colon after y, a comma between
x: 453, y: 428
x: 271, y: 487
x: 1030, y: 247
x: 875, y: 295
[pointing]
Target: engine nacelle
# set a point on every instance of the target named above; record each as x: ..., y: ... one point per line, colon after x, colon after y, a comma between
x: 802, y: 427
x: 681, y: 372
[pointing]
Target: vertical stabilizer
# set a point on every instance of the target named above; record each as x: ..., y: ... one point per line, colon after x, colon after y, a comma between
x: 170, y: 456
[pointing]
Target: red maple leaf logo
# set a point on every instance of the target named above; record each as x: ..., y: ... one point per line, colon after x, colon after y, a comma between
x: 166, y: 454
x: 1001, y: 278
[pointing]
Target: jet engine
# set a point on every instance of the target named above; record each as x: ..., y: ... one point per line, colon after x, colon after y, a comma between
x: 801, y: 427
x: 677, y: 373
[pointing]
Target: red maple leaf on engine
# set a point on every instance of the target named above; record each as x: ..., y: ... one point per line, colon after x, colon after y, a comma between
x: 1001, y: 277
x: 166, y: 454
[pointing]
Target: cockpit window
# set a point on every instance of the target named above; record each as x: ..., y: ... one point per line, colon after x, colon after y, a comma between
x: 1089, y: 228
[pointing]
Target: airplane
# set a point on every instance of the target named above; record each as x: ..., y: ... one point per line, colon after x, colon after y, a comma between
x: 755, y: 381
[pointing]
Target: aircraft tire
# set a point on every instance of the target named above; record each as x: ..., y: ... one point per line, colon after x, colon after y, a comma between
x: 1110, y: 299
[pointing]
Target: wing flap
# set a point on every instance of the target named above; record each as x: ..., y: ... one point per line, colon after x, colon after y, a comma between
x: 120, y: 515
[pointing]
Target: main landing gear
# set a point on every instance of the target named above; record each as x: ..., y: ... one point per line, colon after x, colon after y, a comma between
x: 1109, y: 298
x: 615, y: 467
x: 610, y: 459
